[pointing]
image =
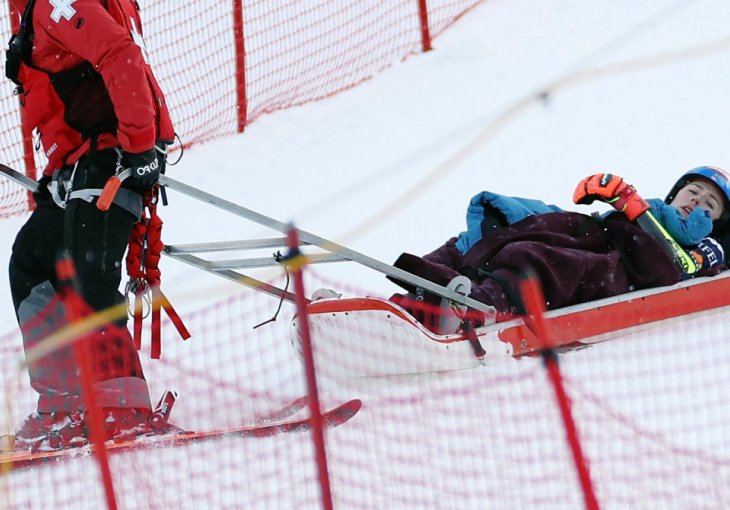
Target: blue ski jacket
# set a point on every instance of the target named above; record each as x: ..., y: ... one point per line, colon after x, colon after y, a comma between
x: 688, y: 231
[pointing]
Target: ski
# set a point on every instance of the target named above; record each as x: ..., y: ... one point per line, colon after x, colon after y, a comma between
x: 331, y: 418
x: 284, y: 412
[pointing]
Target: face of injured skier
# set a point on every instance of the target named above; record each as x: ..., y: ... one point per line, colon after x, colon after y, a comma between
x: 700, y: 192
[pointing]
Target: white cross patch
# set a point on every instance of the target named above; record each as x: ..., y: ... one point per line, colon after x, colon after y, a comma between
x: 62, y: 8
x: 138, y: 40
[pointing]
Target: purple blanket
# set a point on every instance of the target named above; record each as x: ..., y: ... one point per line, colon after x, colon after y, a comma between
x: 576, y: 257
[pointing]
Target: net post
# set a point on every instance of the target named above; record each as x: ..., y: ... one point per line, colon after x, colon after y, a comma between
x: 532, y: 297
x: 295, y: 262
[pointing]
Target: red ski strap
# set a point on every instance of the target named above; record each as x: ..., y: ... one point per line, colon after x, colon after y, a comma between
x: 160, y: 301
x: 138, y: 316
x: 143, y: 258
x: 156, y: 340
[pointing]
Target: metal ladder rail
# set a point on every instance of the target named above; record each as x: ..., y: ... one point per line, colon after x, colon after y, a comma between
x: 340, y: 251
x: 224, y: 268
x: 324, y: 244
x: 270, y: 261
x: 185, y: 253
x: 235, y: 276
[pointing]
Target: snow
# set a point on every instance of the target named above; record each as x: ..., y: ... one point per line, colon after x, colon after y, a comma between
x: 518, y: 97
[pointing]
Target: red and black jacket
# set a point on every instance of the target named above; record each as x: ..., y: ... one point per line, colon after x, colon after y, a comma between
x: 87, y: 78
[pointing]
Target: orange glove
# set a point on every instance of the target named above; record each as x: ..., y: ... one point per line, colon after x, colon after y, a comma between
x: 613, y: 190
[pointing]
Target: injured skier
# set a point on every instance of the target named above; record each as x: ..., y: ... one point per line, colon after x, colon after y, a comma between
x: 578, y: 257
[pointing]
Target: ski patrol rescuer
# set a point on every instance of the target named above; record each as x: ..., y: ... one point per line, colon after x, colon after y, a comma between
x: 86, y: 86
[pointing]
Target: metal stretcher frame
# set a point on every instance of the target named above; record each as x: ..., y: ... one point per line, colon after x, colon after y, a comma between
x: 569, y: 326
x: 334, y: 252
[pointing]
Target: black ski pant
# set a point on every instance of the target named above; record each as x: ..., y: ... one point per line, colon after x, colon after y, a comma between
x: 96, y: 241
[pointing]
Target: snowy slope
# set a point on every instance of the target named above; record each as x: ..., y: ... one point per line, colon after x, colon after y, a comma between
x: 370, y: 166
x: 518, y: 97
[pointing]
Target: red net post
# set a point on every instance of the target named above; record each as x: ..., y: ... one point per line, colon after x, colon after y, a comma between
x: 240, y: 64
x: 26, y: 133
x: 425, y: 30
x: 295, y: 263
x: 74, y: 307
x: 534, y: 301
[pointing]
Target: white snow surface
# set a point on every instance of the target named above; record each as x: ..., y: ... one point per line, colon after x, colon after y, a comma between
x: 518, y: 97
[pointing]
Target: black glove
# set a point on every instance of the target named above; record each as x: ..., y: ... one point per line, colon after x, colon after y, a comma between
x: 145, y: 168
x: 42, y: 192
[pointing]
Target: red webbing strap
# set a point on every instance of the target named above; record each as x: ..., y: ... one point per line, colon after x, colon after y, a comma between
x: 138, y: 317
x: 135, y: 270
x: 152, y: 261
x: 156, y: 346
x: 160, y: 301
x: 143, y: 258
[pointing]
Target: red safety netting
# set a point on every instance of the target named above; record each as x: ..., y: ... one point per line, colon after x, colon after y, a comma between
x: 437, y: 428
x: 222, y: 65
x: 649, y: 406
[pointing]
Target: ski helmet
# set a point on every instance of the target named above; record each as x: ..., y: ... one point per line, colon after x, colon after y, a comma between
x: 716, y: 176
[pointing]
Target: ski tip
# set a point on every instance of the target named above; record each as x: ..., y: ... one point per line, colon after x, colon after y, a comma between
x: 355, y: 404
x: 349, y: 408
x: 301, y: 401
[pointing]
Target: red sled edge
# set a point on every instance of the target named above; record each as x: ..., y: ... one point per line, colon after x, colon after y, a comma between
x: 570, y: 327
